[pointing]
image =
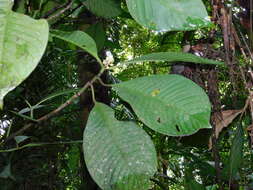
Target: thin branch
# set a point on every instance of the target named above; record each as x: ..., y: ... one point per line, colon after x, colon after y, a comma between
x: 67, y: 7
x: 55, y: 9
x: 102, y: 83
x: 59, y: 109
x: 62, y: 21
x: 41, y: 144
x: 92, y: 92
x: 238, y: 41
x: 246, y: 44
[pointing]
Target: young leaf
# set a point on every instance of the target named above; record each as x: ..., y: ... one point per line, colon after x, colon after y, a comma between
x: 174, y: 57
x: 169, y: 104
x: 20, y: 139
x: 78, y: 38
x: 23, y: 41
x: 119, y: 155
x: 169, y: 15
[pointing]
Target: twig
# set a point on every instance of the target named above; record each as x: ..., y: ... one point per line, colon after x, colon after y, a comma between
x: 238, y: 41
x: 67, y: 7
x: 40, y: 144
x: 62, y: 21
x: 247, y: 46
x: 59, y: 109
x: 92, y: 93
x: 55, y: 9
x: 102, y: 82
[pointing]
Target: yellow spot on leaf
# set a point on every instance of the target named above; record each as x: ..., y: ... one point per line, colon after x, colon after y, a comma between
x: 155, y: 92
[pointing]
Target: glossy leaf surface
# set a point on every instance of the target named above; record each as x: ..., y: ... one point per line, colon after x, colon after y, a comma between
x: 169, y: 104
x: 174, y: 57
x: 169, y: 15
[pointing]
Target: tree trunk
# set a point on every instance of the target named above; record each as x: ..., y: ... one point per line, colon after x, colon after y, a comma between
x: 87, y: 70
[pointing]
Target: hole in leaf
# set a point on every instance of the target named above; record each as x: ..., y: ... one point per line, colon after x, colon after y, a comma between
x: 159, y: 120
x: 177, y: 127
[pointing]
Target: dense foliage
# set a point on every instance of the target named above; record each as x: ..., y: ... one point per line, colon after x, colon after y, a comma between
x: 126, y: 95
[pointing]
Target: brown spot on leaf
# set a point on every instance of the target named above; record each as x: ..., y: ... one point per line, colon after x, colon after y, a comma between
x: 177, y: 127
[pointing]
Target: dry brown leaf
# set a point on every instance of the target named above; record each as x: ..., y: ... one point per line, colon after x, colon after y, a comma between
x: 226, y: 118
x: 222, y: 120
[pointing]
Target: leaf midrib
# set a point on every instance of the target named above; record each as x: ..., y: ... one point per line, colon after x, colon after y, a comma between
x: 174, y: 57
x: 108, y: 121
x: 157, y: 99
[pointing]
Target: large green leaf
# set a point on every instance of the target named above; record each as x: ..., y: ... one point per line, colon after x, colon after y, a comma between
x: 236, y: 155
x: 169, y: 15
x: 78, y: 38
x: 104, y: 8
x: 169, y: 104
x: 119, y: 155
x: 174, y: 57
x: 23, y: 41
